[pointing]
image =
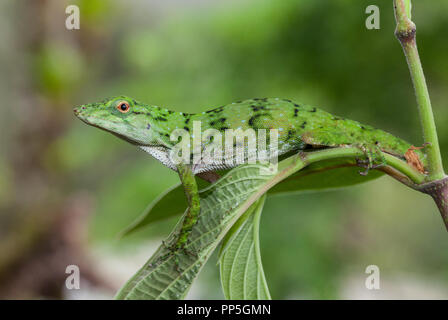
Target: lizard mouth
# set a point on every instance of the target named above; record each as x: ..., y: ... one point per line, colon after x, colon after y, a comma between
x: 99, y: 123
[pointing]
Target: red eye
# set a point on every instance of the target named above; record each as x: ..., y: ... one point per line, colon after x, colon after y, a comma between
x: 123, y: 107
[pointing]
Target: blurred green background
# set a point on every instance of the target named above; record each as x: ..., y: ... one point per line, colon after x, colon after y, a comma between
x: 66, y: 189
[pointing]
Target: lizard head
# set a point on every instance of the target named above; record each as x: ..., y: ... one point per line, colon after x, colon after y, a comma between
x: 122, y: 116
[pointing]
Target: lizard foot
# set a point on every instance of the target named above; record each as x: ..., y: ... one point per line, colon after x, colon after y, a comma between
x: 186, y: 252
x: 367, y: 166
x: 374, y: 158
x: 174, y: 250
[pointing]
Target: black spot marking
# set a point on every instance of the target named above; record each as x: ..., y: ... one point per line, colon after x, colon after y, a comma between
x: 296, y: 105
x: 287, y: 100
x: 148, y: 126
x: 296, y: 111
x: 313, y: 110
x: 187, y: 120
x: 160, y: 119
x: 255, y: 117
x: 186, y: 128
x: 257, y: 108
x: 215, y: 122
x: 303, y: 125
x: 290, y: 135
x: 363, y: 128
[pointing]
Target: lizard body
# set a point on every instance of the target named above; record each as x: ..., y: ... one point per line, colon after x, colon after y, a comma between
x: 299, y: 127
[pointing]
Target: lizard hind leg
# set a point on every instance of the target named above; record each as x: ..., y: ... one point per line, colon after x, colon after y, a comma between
x: 374, y: 157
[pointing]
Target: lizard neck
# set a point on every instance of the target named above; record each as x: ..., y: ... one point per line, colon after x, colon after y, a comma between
x: 165, y: 121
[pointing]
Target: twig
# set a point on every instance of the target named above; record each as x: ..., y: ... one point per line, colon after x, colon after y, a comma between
x: 405, y: 33
x: 437, y: 183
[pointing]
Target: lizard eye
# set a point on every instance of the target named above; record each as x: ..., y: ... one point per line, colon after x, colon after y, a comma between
x: 123, y: 107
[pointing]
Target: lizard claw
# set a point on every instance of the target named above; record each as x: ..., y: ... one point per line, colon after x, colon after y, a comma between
x: 368, y: 165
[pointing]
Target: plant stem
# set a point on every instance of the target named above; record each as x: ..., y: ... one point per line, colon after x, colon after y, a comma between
x: 405, y: 33
x: 306, y: 158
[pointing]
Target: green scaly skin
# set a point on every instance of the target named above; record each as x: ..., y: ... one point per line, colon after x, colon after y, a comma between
x: 299, y: 127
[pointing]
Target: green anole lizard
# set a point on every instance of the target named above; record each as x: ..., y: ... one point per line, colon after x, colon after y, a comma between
x: 299, y: 127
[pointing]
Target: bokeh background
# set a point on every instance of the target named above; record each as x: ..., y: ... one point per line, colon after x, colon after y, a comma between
x: 67, y: 190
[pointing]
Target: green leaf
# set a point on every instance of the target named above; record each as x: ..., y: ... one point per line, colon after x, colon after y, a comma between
x: 242, y: 275
x: 168, y: 274
x: 329, y: 174
x: 168, y: 204
x: 323, y: 175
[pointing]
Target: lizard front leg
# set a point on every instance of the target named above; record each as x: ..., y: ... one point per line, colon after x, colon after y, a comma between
x: 191, y: 192
x: 190, y: 186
